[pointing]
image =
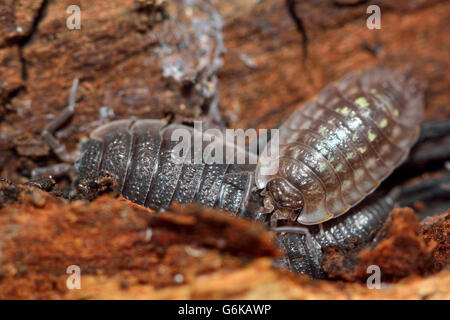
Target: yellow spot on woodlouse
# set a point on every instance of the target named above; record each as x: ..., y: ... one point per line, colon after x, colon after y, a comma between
x: 339, y: 167
x: 350, y: 155
x: 322, y: 129
x: 395, y: 112
x: 362, y: 149
x: 331, y: 121
x: 344, y: 110
x: 322, y: 166
x: 373, y: 91
x: 371, y: 135
x: 383, y: 123
x: 354, y: 137
x: 362, y: 102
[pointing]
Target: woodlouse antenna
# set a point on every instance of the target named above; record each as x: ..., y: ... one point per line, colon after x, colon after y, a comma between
x: 57, y: 147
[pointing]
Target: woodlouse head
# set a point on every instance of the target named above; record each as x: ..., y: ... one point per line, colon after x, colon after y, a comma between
x: 281, y: 195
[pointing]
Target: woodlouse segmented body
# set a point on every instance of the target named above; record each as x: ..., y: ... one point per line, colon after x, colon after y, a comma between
x: 339, y: 147
x: 333, y: 152
x: 139, y: 154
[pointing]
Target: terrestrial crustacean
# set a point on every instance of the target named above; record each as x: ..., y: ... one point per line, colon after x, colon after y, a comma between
x: 334, y: 151
x: 337, y: 149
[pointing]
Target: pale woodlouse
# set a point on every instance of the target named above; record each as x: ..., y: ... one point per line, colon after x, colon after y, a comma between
x: 337, y: 149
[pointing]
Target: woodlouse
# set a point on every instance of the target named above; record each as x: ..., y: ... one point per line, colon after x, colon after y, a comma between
x: 339, y: 147
x: 139, y: 154
x: 372, y: 116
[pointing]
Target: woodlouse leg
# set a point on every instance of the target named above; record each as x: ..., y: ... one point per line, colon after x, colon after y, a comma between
x: 58, y: 148
x: 276, y: 216
x: 321, y: 228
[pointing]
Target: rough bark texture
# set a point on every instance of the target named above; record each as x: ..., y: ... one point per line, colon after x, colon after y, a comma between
x: 127, y: 251
x: 279, y: 54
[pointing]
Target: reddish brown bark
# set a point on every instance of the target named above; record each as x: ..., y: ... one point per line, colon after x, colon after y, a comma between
x: 266, y: 75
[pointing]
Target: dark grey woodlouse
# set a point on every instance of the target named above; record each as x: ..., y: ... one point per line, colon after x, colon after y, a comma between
x: 138, y: 153
x: 334, y: 152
